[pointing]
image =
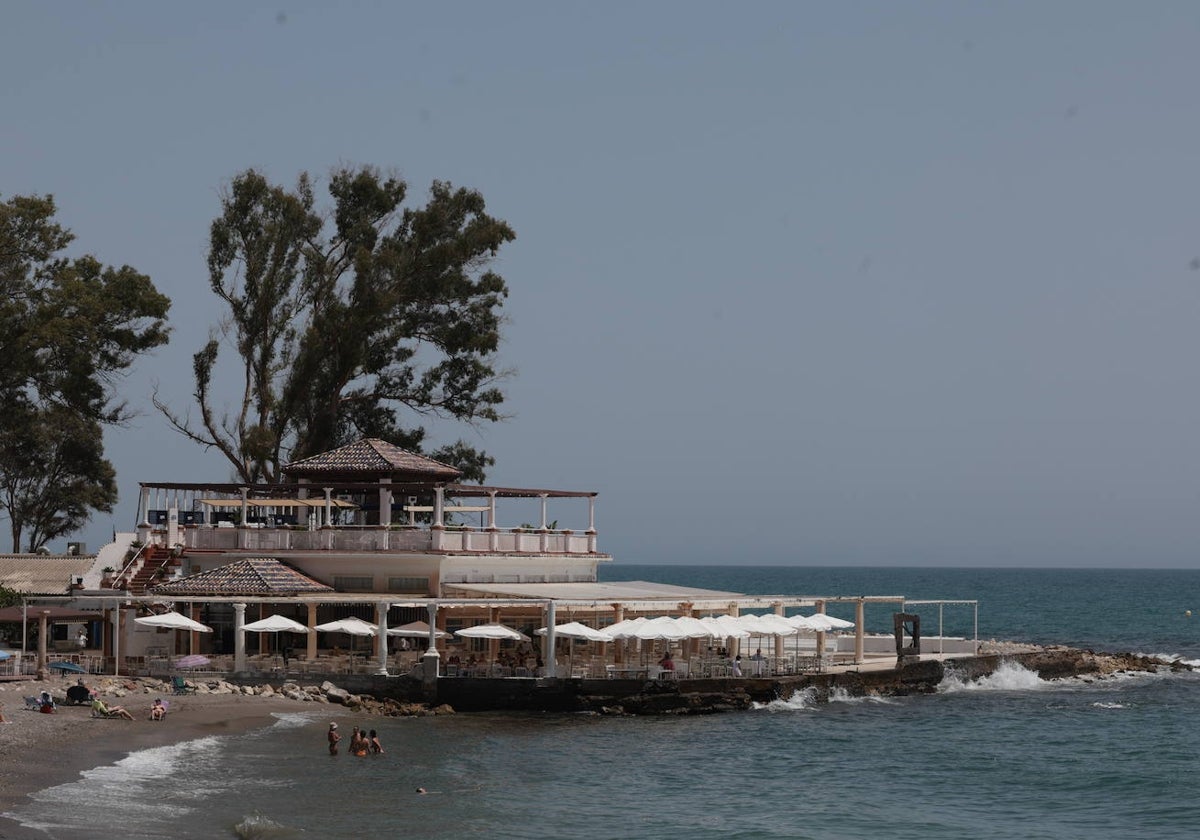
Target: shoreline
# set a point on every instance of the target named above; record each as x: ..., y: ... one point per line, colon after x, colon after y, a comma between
x: 81, y: 742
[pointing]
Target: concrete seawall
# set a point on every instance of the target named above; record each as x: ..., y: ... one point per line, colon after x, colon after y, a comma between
x: 708, y: 696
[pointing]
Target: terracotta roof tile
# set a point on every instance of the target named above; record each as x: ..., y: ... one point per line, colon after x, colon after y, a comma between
x: 372, y: 456
x: 252, y: 576
x: 41, y: 574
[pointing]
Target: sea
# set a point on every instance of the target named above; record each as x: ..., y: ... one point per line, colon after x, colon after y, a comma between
x: 1008, y: 756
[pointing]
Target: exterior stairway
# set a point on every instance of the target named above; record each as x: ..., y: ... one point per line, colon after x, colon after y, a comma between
x: 147, y: 572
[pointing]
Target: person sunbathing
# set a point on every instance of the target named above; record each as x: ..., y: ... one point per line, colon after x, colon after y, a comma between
x: 159, y: 710
x: 101, y: 710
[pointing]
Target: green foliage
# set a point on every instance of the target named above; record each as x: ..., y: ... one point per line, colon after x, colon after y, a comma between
x: 53, y: 473
x: 69, y: 329
x: 9, y: 597
x: 351, y: 322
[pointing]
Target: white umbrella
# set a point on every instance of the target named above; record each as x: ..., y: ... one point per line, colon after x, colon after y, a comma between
x: 661, y: 628
x: 824, y: 623
x: 491, y: 631
x: 725, y: 627
x: 275, y: 624
x: 416, y: 630
x: 804, y: 624
x: 625, y: 629
x: 575, y: 630
x: 694, y: 627
x: 768, y: 625
x: 353, y: 626
x: 173, y: 621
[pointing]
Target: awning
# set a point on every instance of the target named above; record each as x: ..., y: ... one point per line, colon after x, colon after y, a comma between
x: 56, y: 613
x: 310, y: 503
x: 612, y: 591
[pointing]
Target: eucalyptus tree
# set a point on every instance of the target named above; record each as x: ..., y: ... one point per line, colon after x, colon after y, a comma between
x: 365, y: 318
x: 70, y: 329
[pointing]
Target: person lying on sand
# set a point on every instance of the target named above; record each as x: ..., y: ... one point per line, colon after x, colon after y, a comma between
x: 101, y: 710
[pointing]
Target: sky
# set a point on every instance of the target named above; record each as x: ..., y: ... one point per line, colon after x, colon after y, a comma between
x: 793, y: 283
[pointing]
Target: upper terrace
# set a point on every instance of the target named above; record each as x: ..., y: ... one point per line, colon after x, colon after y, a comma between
x: 369, y: 495
x: 366, y: 516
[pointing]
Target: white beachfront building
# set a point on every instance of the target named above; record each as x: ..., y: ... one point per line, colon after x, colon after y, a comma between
x: 374, y: 532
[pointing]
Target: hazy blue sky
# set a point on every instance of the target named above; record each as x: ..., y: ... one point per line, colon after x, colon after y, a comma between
x: 864, y: 283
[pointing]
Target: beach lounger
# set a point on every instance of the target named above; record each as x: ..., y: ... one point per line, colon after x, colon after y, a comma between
x: 181, y: 687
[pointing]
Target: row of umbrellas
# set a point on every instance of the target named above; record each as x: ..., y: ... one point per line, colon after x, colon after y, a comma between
x: 283, y: 624
x: 677, y: 628
x: 724, y: 626
x: 664, y: 627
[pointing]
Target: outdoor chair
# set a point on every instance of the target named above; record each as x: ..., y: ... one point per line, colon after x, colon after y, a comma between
x: 178, y: 686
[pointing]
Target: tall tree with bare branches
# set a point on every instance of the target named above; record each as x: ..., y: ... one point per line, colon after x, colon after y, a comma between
x: 362, y: 320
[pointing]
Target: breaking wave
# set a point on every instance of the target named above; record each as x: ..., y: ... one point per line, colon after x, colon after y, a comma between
x: 1009, y: 676
x: 804, y: 700
x: 258, y: 827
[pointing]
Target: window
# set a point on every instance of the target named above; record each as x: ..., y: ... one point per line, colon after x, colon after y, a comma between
x: 411, y: 585
x: 349, y: 583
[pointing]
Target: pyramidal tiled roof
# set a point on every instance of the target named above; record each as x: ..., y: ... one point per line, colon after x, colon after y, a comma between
x: 252, y: 576
x: 371, y: 456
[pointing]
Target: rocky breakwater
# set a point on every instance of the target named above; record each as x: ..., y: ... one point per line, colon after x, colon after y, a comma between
x: 325, y: 693
x: 684, y: 697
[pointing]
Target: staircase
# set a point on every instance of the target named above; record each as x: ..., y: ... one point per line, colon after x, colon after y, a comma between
x: 140, y: 576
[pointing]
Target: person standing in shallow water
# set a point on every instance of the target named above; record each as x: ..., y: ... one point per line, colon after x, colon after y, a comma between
x: 334, y: 737
x: 376, y: 747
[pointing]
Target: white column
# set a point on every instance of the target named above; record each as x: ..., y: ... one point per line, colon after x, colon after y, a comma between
x: 591, y: 528
x: 381, y: 611
x: 548, y: 658
x: 859, y: 616
x: 543, y: 498
x: 43, y: 632
x: 431, y: 661
x: 328, y: 507
x: 491, y: 512
x: 239, y: 638
x: 311, y: 650
x: 385, y: 504
x: 820, y: 640
x: 145, y: 507
x: 439, y: 507
x: 117, y: 640
x: 778, y: 639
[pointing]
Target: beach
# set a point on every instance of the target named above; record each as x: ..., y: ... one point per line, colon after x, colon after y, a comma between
x: 1002, y: 757
x: 39, y: 751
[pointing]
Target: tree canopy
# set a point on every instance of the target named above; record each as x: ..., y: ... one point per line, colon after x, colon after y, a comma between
x: 359, y: 320
x: 69, y: 329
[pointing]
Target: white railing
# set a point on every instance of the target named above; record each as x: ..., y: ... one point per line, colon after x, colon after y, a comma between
x: 369, y: 538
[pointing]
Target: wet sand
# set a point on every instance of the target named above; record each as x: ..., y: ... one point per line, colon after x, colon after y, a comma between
x: 38, y: 751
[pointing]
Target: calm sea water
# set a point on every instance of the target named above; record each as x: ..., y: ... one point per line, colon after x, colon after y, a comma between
x: 1007, y: 757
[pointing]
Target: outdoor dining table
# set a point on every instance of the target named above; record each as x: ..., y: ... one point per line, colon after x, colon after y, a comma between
x: 628, y: 673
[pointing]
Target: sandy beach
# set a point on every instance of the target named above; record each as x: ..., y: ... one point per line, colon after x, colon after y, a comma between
x: 38, y: 751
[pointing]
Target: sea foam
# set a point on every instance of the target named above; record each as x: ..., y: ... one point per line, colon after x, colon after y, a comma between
x: 258, y: 827
x: 1008, y: 676
x: 801, y: 701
